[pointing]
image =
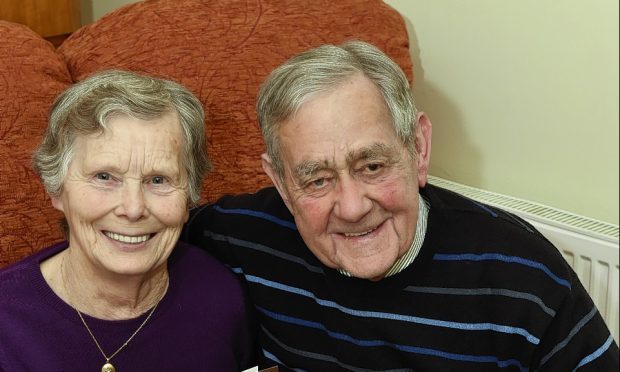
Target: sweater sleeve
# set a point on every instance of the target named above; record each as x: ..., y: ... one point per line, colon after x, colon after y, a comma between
x: 577, y: 338
x: 204, y: 230
x: 225, y: 227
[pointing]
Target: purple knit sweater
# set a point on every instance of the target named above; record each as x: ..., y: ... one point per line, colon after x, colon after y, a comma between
x: 201, y: 324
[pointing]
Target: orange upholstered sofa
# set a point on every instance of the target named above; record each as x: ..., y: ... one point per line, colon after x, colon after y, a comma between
x: 220, y: 49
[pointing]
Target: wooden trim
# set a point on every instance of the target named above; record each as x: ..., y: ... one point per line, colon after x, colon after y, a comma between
x: 45, y: 17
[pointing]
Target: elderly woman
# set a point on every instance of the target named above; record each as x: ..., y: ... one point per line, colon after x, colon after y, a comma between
x: 123, y: 159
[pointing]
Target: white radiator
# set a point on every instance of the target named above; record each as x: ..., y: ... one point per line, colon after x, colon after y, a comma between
x: 589, y: 246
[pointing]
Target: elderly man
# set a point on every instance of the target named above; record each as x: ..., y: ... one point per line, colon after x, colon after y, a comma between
x: 354, y: 262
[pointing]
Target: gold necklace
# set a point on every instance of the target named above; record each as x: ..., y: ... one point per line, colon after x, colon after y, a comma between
x: 107, y: 367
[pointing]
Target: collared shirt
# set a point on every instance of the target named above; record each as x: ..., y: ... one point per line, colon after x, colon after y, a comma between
x: 418, y: 240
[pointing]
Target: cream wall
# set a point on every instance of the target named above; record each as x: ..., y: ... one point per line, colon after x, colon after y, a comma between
x: 95, y: 9
x: 523, y: 95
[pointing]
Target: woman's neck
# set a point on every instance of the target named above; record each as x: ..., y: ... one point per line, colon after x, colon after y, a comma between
x: 100, y: 294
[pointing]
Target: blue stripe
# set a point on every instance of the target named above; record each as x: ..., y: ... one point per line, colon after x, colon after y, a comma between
x: 278, y: 361
x: 485, y: 208
x: 580, y: 324
x: 262, y: 215
x: 504, y: 258
x: 264, y: 249
x: 323, y: 357
x: 405, y: 348
x: 597, y: 353
x: 484, y: 292
x: 404, y: 318
x: 521, y: 223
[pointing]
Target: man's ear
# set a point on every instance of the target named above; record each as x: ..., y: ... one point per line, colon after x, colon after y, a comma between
x: 423, y: 134
x: 275, y: 179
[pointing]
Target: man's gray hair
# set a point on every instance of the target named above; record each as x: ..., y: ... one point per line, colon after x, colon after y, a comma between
x: 318, y: 70
x: 85, y: 107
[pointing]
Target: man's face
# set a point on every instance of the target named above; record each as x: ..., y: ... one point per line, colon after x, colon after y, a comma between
x: 350, y: 183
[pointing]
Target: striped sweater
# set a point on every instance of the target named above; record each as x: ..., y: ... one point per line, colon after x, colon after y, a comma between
x: 487, y: 292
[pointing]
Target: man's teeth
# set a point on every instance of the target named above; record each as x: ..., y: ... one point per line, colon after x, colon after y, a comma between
x: 350, y: 235
x: 127, y: 239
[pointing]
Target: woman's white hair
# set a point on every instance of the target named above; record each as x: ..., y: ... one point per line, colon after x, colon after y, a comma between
x: 85, y: 108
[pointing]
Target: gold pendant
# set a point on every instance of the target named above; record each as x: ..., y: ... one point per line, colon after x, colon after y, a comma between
x: 108, y: 368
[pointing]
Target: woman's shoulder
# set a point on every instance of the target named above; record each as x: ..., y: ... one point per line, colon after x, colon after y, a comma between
x: 200, y: 282
x: 23, y: 288
x: 190, y: 263
x: 30, y: 264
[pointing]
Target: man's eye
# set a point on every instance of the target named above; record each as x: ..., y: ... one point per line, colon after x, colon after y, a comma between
x: 316, y: 184
x: 373, y: 167
x: 103, y: 176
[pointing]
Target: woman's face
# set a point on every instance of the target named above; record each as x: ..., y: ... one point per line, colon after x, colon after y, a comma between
x: 125, y: 195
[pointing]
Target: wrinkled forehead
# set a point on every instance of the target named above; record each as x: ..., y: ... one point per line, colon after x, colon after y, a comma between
x: 159, y: 138
x: 348, y: 122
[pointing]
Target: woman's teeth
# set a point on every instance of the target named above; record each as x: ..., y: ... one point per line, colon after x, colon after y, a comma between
x: 126, y: 238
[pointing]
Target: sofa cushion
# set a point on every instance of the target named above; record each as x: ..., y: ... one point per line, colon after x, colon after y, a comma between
x: 32, y: 74
x: 222, y: 50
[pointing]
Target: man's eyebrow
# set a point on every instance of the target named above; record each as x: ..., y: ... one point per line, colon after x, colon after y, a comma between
x: 307, y: 169
x: 375, y: 151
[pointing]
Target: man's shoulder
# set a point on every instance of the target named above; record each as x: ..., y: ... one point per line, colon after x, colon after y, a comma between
x: 263, y: 205
x: 240, y: 220
x: 474, y: 217
x: 472, y: 229
x: 267, y: 200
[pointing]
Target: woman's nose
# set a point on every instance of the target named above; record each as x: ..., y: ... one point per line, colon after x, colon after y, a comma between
x: 132, y: 204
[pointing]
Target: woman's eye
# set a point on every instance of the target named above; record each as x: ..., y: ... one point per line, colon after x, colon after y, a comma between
x: 158, y: 180
x: 103, y: 176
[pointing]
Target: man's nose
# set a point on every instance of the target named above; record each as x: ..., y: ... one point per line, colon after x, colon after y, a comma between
x: 352, y: 201
x: 132, y: 204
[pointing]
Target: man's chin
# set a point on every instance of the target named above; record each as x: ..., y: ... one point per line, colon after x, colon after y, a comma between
x: 373, y: 274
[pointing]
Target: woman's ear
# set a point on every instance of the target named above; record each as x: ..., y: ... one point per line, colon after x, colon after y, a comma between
x: 57, y: 203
